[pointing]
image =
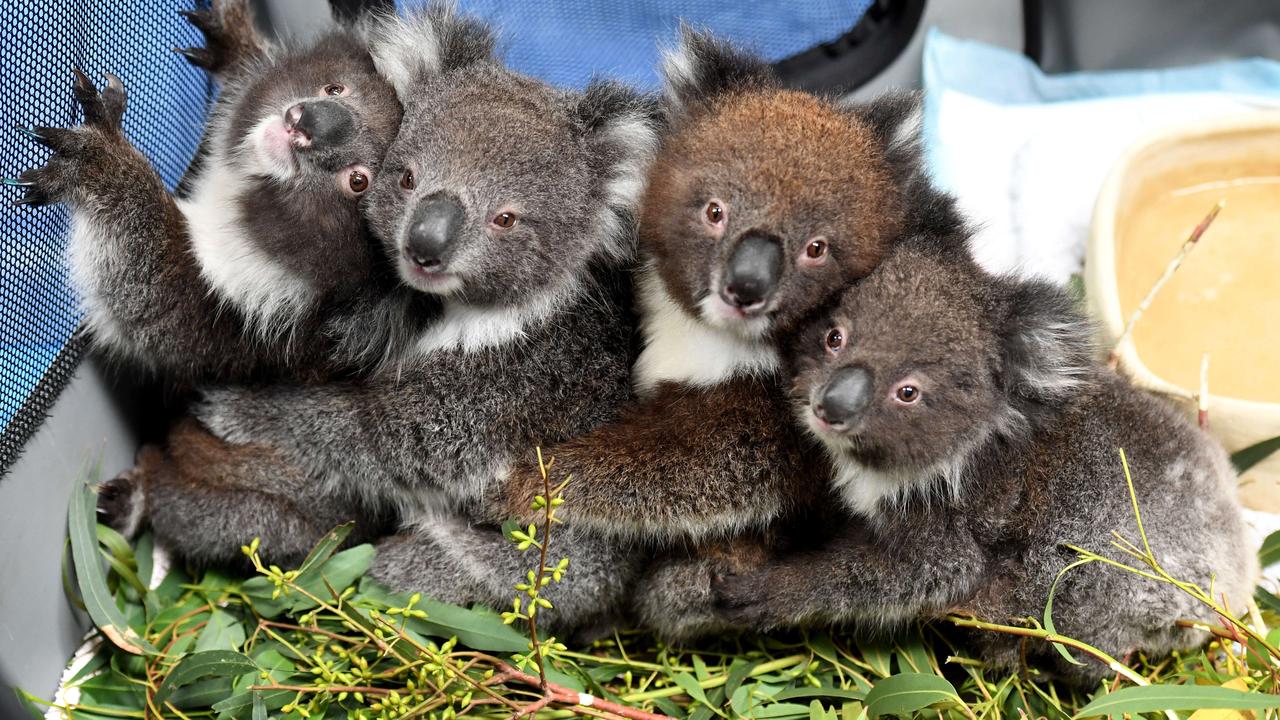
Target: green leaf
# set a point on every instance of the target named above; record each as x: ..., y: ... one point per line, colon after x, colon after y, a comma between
x: 143, y: 555
x: 908, y: 692
x: 1270, y: 551
x: 82, y: 526
x: 689, y: 684
x: 1048, y: 611
x: 878, y: 657
x: 476, y: 629
x: 325, y: 548
x: 259, y: 707
x: 1254, y: 454
x: 812, y: 692
x: 217, y: 663
x: 28, y: 703
x: 1156, y: 698
x: 913, y: 657
x: 780, y: 710
x: 739, y: 670
x: 222, y: 632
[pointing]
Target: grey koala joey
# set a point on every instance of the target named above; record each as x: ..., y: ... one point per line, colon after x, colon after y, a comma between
x: 975, y: 439
x: 319, y: 299
x: 265, y: 267
x: 514, y: 204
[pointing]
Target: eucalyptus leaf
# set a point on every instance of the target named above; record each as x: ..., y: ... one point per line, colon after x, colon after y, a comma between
x: 1270, y: 551
x: 216, y: 663
x: 1254, y: 454
x: 222, y: 632
x: 82, y: 526
x: 908, y: 692
x: 1157, y: 698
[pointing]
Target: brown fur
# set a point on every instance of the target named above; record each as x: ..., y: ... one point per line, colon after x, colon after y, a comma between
x: 784, y: 162
x: 633, y: 476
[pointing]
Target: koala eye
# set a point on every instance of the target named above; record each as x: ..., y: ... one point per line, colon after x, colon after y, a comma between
x: 504, y: 220
x: 715, y: 212
x: 834, y: 340
x: 815, y: 253
x: 408, y: 181
x: 334, y: 89
x: 907, y: 394
x: 354, y: 180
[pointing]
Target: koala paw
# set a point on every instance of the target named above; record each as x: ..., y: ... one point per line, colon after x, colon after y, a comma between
x: 77, y: 151
x: 121, y: 501
x: 748, y: 600
x: 229, y: 36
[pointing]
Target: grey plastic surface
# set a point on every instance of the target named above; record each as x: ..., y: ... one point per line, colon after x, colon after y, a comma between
x: 38, y: 630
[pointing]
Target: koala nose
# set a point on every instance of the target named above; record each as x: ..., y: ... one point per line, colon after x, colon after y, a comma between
x: 845, y: 395
x: 320, y: 123
x: 432, y: 231
x: 753, y: 271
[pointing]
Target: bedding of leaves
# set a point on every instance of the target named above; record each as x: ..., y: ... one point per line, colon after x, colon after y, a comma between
x: 323, y: 641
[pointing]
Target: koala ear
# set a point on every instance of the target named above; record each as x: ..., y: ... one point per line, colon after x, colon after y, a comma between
x: 623, y: 129
x: 428, y: 41
x: 896, y: 117
x: 702, y: 66
x: 1046, y: 343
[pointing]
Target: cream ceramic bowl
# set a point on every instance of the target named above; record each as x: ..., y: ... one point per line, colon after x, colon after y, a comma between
x: 1172, y: 159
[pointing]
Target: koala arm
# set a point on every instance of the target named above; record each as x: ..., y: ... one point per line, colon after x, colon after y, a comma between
x: 450, y: 419
x: 129, y: 246
x: 685, y: 462
x: 875, y: 577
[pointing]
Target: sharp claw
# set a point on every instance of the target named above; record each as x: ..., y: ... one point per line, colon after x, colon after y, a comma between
x: 81, y: 80
x: 28, y: 200
x: 16, y: 182
x: 195, y: 56
x: 29, y: 132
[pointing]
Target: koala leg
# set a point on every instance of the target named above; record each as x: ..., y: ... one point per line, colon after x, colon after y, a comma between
x: 451, y: 560
x: 204, y: 498
x: 129, y: 249
x: 675, y: 595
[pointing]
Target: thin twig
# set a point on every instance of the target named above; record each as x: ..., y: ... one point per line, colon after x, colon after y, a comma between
x: 1203, y: 399
x: 1114, y: 359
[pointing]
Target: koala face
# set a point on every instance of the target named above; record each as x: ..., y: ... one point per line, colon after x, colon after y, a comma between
x: 763, y: 203
x: 905, y: 370
x: 315, y: 121
x: 500, y: 188
x: 299, y: 141
x: 929, y: 356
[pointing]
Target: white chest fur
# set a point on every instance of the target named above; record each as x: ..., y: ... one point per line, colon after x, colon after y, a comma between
x: 240, y: 272
x: 681, y: 348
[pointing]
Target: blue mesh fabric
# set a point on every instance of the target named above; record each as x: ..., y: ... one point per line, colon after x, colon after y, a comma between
x: 567, y: 41
x: 40, y: 40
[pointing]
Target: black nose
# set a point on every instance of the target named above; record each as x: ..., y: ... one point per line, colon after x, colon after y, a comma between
x: 753, y: 270
x: 324, y: 123
x: 845, y: 395
x: 432, y: 231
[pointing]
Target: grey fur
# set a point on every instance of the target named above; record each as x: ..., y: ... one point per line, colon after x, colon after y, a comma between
x: 1021, y: 429
x: 287, y: 281
x: 534, y: 344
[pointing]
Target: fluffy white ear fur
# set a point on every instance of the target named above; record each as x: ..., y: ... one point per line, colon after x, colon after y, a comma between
x: 405, y: 48
x: 1048, y: 345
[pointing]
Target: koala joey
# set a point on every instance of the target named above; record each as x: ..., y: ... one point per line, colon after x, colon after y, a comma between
x: 974, y: 440
x: 265, y: 267
x: 763, y: 203
x: 513, y: 203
